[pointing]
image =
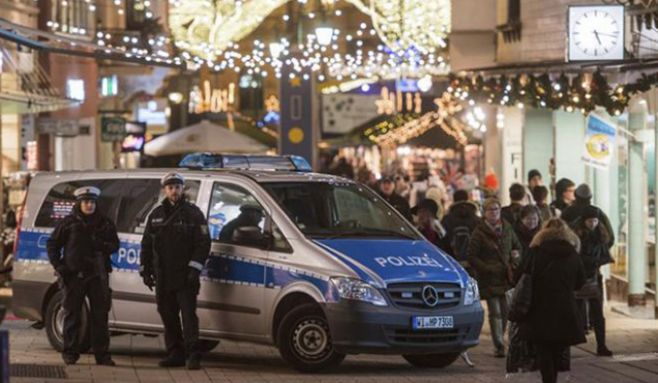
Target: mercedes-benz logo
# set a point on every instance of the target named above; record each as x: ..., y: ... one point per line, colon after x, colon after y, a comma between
x: 430, y: 296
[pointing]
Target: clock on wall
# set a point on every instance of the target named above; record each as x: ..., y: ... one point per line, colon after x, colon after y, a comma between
x: 596, y: 32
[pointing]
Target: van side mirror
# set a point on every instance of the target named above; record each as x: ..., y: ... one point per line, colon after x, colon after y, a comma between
x: 249, y: 236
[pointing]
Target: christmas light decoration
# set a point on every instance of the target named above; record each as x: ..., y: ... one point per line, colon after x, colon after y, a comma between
x: 403, y: 127
x: 410, y: 23
x: 584, y: 92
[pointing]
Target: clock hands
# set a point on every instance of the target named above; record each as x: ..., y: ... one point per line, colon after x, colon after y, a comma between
x: 597, y: 37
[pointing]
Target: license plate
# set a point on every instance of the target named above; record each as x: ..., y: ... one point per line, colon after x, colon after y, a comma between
x: 423, y: 322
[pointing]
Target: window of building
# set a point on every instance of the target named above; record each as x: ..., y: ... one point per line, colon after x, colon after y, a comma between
x: 75, y: 89
x: 74, y: 17
x: 511, y: 30
x: 109, y: 86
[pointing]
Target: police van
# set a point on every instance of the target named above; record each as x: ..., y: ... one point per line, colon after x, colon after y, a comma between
x: 329, y: 270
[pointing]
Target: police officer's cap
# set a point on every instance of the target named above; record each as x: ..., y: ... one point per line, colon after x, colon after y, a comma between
x: 87, y: 192
x: 172, y: 178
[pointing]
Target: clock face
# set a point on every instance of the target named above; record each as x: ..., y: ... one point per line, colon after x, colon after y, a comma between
x: 596, y: 33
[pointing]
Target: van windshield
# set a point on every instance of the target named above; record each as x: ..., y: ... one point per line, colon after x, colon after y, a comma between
x: 338, y: 210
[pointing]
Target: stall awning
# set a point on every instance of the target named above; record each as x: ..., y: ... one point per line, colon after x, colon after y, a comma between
x: 203, y: 137
x: 25, y: 87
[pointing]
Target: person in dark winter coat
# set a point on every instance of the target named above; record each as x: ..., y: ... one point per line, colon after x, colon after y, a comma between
x: 534, y: 180
x: 428, y: 225
x: 553, y: 322
x: 594, y: 252
x: 517, y: 194
x: 583, y: 201
x: 459, y: 223
x: 175, y: 246
x: 493, y: 253
x: 527, y: 226
x: 87, y: 239
x: 540, y: 194
x: 564, y: 196
x: 387, y: 192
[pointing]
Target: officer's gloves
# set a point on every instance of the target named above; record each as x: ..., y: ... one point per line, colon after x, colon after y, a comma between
x: 193, y: 277
x: 147, y: 278
x: 63, y: 272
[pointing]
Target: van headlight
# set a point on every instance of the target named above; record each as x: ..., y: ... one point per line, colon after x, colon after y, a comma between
x: 358, y: 290
x: 472, y: 293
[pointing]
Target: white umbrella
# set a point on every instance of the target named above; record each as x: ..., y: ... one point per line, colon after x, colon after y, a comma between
x: 203, y: 137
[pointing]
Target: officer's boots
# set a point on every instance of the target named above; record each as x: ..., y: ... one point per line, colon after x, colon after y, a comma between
x: 172, y: 360
x: 194, y: 362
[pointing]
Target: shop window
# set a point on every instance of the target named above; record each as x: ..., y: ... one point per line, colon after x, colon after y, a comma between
x: 251, y: 94
x: 136, y: 15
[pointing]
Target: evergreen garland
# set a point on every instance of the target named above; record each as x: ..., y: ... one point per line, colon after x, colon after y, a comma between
x: 580, y: 93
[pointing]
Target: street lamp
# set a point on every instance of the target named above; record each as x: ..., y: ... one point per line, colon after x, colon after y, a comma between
x: 276, y: 48
x: 324, y: 35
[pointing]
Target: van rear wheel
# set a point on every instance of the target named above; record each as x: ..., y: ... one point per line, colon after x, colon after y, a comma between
x: 431, y: 360
x: 55, y: 324
x: 304, y: 340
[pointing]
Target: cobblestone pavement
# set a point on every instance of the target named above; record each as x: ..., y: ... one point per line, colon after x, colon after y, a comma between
x: 634, y: 341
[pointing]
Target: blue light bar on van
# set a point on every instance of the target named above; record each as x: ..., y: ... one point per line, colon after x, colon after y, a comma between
x: 251, y: 162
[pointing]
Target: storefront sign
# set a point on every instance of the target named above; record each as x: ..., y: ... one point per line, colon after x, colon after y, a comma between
x: 132, y: 143
x: 113, y: 129
x: 58, y: 127
x: 211, y: 100
x: 599, y: 142
x: 343, y: 112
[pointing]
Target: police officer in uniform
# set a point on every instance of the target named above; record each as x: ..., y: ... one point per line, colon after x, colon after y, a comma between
x: 88, y: 239
x: 175, y: 247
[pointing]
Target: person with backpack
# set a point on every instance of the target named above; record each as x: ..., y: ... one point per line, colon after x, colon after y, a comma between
x: 459, y: 223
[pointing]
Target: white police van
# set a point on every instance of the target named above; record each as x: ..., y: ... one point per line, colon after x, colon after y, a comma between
x: 329, y: 270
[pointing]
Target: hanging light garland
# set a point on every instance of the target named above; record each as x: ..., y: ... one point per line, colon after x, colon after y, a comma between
x: 584, y: 92
x: 401, y: 25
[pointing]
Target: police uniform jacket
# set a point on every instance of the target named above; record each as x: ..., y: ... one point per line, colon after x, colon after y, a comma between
x: 87, y: 241
x: 175, y: 239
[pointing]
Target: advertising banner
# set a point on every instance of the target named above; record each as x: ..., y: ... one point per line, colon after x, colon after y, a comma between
x: 600, y: 136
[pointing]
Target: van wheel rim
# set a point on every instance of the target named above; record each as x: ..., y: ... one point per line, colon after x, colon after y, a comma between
x: 59, y: 324
x: 311, y: 339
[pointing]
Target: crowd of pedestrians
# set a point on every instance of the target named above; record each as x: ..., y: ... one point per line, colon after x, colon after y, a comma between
x: 560, y: 246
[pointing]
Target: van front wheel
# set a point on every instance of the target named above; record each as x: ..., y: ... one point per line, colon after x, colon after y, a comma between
x: 431, y: 360
x: 305, y: 341
x: 55, y: 324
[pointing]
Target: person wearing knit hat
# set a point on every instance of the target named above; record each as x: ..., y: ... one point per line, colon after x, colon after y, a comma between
x: 493, y: 253
x: 574, y: 213
x: 595, y: 239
